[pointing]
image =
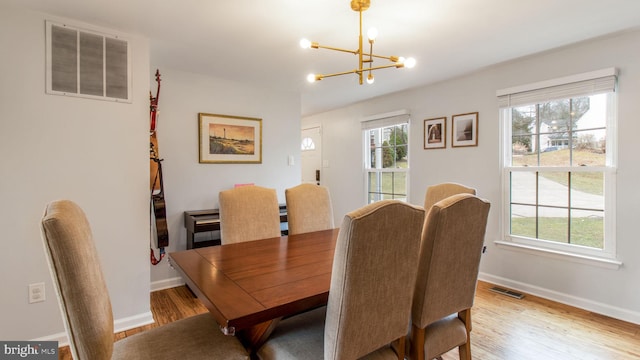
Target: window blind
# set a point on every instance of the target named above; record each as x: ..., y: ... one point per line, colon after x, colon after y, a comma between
x: 596, y: 82
x: 385, y: 120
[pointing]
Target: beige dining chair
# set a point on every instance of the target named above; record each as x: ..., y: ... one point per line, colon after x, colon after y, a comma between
x: 248, y: 213
x: 86, y: 308
x: 452, y: 243
x: 442, y: 191
x: 372, y: 283
x: 308, y: 208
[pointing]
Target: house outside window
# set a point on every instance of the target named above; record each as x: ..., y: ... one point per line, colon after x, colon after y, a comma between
x: 558, y: 158
x: 386, y: 158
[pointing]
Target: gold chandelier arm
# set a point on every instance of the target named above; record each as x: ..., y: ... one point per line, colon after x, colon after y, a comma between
x: 321, y: 76
x: 358, y: 71
x: 390, y: 58
x: 355, y: 52
x: 396, y: 65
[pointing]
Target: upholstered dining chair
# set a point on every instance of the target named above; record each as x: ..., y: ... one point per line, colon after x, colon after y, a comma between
x: 308, y: 208
x: 372, y: 283
x: 248, y: 213
x: 452, y: 242
x: 86, y: 308
x: 442, y: 191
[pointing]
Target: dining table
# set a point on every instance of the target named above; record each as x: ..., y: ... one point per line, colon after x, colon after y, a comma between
x: 249, y: 286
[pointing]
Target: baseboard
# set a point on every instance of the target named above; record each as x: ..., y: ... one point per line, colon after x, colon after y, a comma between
x: 125, y: 323
x: 132, y: 322
x: 167, y: 283
x: 585, y: 304
x: 61, y: 338
x: 119, y: 325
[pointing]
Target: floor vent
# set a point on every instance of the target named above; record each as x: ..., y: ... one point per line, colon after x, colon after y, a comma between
x: 510, y: 293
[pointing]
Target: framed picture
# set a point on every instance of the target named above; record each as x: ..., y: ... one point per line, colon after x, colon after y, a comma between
x: 229, y: 139
x: 435, y: 133
x: 464, y: 130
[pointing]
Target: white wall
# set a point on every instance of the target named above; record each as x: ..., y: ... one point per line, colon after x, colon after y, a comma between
x: 611, y: 292
x: 90, y: 151
x: 190, y: 185
x: 96, y: 153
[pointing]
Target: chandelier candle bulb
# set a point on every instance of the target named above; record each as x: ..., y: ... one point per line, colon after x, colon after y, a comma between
x: 372, y: 34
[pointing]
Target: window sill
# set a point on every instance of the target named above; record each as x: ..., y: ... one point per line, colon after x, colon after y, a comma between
x: 563, y: 255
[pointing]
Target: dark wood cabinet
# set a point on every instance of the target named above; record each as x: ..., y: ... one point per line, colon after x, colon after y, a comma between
x: 200, y: 221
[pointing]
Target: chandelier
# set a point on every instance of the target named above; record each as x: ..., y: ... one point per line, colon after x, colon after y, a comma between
x: 365, y: 60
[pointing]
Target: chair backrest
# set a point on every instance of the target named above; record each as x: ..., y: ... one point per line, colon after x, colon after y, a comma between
x: 452, y: 243
x: 442, y: 191
x: 80, y: 286
x: 248, y: 213
x: 374, y: 272
x: 308, y: 208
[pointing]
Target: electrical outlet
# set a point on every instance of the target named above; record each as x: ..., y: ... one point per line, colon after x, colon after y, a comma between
x: 36, y: 293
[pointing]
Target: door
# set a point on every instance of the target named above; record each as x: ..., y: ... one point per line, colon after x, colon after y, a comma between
x: 311, y: 158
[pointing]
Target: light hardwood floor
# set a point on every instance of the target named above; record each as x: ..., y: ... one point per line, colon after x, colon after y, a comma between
x: 504, y: 328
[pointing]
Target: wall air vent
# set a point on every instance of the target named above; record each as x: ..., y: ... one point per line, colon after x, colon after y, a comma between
x: 86, y: 63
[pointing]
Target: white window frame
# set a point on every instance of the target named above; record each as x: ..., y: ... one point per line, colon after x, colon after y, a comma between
x: 568, y: 87
x: 395, y: 118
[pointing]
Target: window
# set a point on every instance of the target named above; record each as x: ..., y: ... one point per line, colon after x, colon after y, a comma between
x: 386, y: 154
x: 307, y: 144
x: 559, y: 165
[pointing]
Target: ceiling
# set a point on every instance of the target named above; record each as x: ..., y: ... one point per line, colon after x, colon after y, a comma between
x: 256, y: 41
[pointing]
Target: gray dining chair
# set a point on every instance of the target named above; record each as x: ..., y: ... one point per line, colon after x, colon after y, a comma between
x: 86, y: 308
x: 372, y: 283
x: 308, y: 208
x: 452, y: 243
x: 248, y: 213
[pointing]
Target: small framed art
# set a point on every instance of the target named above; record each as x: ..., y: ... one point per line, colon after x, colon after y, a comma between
x: 435, y: 133
x: 229, y: 139
x: 464, y: 130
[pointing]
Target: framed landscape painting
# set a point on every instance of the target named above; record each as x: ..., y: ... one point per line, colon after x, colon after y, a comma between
x: 464, y: 130
x: 229, y: 139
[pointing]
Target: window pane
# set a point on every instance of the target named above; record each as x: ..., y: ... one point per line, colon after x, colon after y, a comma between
x: 521, y: 153
x: 400, y: 183
x: 587, y: 190
x: 555, y: 155
x: 523, y: 220
x: 387, y: 183
x: 553, y: 189
x: 374, y: 182
x: 523, y: 120
x: 589, y: 148
x: 387, y: 197
x: 388, y: 156
x: 587, y: 228
x: 523, y: 188
x: 402, y: 158
x: 399, y: 136
x: 553, y: 224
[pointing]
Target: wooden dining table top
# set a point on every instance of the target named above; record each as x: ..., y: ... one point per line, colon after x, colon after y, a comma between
x: 248, y: 285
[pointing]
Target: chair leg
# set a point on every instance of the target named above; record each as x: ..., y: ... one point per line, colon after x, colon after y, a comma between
x: 464, y: 350
x: 401, y: 347
x: 417, y: 343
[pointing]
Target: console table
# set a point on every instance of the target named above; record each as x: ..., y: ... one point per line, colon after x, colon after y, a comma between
x: 198, y: 221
